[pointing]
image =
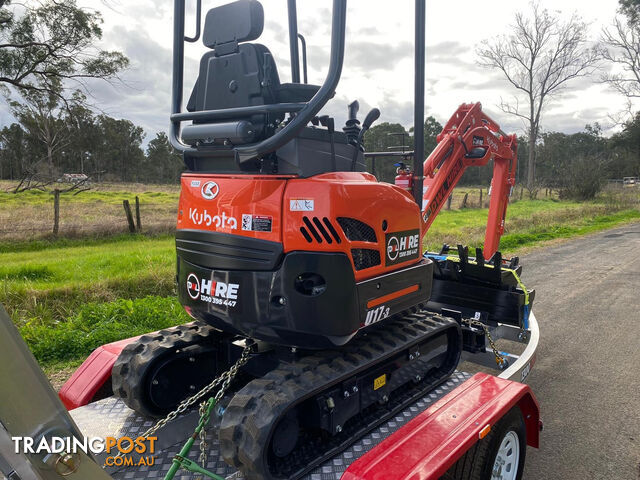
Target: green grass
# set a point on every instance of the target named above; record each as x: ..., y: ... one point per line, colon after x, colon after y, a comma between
x: 71, y: 295
x: 114, y: 197
x: 541, y: 234
x: 95, y: 324
x: 529, y: 223
x: 50, y: 284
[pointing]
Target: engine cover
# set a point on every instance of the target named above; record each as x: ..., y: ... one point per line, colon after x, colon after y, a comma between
x: 298, y: 262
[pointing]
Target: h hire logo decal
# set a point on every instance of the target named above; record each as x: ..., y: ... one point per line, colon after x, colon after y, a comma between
x: 212, y: 291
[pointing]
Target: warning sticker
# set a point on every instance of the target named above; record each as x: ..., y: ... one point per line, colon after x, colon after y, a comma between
x: 301, y: 205
x: 380, y: 382
x: 256, y: 223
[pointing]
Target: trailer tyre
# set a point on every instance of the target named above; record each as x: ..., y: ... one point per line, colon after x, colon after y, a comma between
x: 498, y: 456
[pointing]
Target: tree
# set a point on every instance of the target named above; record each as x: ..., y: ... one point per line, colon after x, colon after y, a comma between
x: 622, y: 50
x: 575, y: 164
x: 631, y: 8
x: 41, y: 115
x: 51, y: 44
x: 626, y: 145
x: 378, y: 139
x: 12, y: 151
x: 539, y: 57
x: 164, y: 164
x: 432, y: 129
x: 119, y: 151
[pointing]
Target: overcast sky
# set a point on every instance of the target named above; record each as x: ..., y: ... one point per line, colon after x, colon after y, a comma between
x: 378, y: 68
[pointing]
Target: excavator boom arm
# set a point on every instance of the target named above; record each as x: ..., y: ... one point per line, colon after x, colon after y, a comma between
x: 470, y: 138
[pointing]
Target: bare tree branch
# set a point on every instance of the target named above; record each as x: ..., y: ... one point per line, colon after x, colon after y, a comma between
x: 538, y: 58
x: 622, y: 51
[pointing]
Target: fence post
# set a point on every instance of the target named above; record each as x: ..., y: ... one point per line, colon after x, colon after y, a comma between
x: 138, y: 224
x: 127, y: 211
x: 56, y: 211
x: 449, y: 201
x: 464, y: 200
x: 481, y: 198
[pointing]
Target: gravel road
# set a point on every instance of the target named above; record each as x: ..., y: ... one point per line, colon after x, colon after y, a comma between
x: 587, y: 377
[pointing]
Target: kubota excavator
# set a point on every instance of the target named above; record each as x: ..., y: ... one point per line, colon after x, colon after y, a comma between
x: 288, y: 249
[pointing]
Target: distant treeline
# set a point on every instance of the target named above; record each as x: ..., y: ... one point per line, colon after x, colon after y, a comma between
x: 103, y: 147
x: 575, y: 164
x: 111, y: 150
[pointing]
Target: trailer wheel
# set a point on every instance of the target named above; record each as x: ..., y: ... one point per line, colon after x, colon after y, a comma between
x: 498, y: 456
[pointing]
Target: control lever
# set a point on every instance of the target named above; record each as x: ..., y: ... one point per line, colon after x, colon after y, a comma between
x: 353, y: 111
x: 329, y: 122
x: 352, y: 126
x: 371, y: 117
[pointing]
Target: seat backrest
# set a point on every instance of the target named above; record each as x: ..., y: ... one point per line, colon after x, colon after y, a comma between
x: 235, y: 74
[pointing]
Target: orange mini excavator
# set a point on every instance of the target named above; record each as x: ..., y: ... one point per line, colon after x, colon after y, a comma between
x: 286, y: 244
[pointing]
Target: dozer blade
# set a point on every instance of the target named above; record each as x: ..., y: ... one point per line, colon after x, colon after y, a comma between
x: 286, y: 423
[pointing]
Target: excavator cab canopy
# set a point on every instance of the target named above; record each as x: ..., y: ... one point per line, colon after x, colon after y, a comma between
x: 243, y: 119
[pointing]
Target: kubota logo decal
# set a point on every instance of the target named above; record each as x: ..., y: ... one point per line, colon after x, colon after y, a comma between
x: 210, y: 190
x: 219, y: 221
x: 402, y: 246
x: 212, y: 291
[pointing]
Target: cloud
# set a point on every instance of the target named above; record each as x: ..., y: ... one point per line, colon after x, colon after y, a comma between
x: 446, y: 49
x: 144, y: 96
x: 370, y: 56
x: 378, y: 67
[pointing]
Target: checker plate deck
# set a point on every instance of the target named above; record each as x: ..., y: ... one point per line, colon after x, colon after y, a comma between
x: 111, y: 417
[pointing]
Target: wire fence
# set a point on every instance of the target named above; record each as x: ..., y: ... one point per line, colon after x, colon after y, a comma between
x: 86, y: 218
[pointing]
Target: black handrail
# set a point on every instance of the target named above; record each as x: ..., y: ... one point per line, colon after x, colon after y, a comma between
x: 304, y: 115
x: 236, y: 112
x: 293, y: 40
x: 303, y: 43
x: 408, y: 153
x: 196, y: 37
x: 418, y: 105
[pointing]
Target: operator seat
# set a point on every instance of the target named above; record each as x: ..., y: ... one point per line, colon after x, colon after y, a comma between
x: 235, y: 74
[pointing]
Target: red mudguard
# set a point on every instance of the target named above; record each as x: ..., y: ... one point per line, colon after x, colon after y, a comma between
x: 90, y: 377
x: 432, y: 442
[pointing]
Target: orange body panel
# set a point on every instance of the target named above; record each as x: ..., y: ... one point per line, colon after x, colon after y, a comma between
x: 352, y: 195
x: 281, y: 203
x: 236, y: 196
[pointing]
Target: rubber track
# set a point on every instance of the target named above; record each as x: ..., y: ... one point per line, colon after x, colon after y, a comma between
x: 134, y: 361
x: 253, y: 412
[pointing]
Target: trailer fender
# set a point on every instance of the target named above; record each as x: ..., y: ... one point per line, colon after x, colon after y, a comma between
x: 426, y: 447
x: 93, y: 376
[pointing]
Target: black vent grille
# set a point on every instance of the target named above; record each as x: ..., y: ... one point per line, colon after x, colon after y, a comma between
x: 357, y: 231
x: 319, y: 230
x: 365, y: 258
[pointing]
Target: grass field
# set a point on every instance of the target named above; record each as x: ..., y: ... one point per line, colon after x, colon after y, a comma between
x: 69, y: 295
x: 94, y: 212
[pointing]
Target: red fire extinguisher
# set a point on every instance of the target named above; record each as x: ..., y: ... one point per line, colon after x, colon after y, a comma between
x: 404, y: 177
